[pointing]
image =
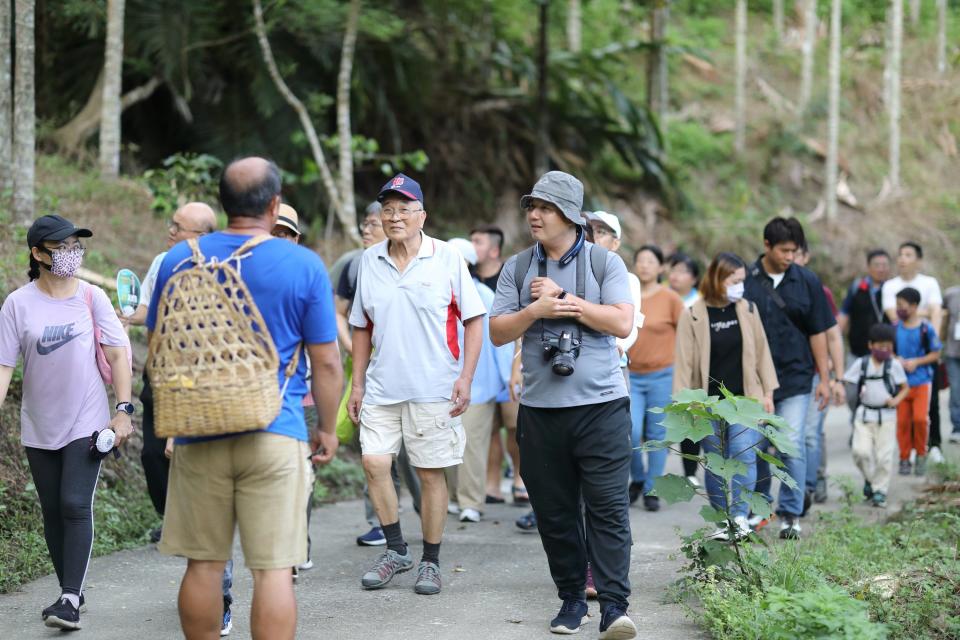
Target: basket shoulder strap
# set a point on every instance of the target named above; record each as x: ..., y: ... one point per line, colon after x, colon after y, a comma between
x: 194, y: 245
x: 250, y: 244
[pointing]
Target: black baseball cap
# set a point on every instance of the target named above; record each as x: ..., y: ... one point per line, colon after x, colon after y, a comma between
x: 53, y: 228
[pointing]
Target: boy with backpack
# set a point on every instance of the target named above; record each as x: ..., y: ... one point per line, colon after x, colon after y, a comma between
x: 881, y: 384
x: 917, y: 347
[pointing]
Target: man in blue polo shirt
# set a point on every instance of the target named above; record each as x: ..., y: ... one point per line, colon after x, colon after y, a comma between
x: 796, y: 317
x: 258, y: 481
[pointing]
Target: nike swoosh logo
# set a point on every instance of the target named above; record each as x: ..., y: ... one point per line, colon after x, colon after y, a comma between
x: 50, y: 348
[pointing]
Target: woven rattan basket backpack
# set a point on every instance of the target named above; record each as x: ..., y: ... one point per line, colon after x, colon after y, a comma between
x: 212, y: 362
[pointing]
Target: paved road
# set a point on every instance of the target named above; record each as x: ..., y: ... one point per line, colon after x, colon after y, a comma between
x: 496, y: 584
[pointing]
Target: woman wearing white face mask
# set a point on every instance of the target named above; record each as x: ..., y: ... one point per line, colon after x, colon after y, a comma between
x: 720, y: 339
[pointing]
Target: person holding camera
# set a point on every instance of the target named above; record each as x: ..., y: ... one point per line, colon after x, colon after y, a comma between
x: 67, y: 425
x: 569, y: 299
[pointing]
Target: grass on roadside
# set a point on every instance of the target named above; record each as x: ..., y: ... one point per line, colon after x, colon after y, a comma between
x: 849, y: 578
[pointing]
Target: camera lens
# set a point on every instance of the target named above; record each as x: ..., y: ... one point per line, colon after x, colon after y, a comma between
x: 563, y: 363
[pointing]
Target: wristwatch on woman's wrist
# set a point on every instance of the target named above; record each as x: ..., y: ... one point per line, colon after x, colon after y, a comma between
x: 126, y: 407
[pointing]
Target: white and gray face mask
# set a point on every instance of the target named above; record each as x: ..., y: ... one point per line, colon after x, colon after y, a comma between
x: 735, y: 292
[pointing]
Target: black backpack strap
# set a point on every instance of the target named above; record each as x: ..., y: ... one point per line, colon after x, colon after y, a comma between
x: 924, y: 337
x: 598, y: 263
x: 520, y: 268
x: 766, y: 283
x: 887, y: 379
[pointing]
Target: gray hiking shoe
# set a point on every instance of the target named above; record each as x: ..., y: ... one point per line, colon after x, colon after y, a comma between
x: 428, y: 579
x: 920, y: 468
x: 389, y: 564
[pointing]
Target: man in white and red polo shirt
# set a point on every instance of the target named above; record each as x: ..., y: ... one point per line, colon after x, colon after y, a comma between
x: 413, y: 292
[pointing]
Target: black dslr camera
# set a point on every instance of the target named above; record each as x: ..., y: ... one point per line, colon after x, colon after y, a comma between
x: 562, y: 353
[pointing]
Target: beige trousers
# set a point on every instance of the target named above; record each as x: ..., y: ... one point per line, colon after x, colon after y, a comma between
x: 471, y: 482
x: 873, y: 447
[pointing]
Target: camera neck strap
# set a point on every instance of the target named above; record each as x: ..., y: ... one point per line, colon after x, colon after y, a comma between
x: 581, y: 287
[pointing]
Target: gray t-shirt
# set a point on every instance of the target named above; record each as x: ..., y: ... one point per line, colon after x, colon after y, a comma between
x: 951, y: 306
x: 597, y: 375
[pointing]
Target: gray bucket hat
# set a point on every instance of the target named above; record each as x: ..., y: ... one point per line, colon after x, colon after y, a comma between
x: 560, y: 189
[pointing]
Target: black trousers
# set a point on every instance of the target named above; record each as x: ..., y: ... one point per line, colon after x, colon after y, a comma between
x: 156, y: 466
x: 66, y: 480
x: 573, y: 454
x: 692, y: 448
x: 933, y: 439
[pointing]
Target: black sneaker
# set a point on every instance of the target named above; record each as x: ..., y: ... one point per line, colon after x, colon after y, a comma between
x: 790, y: 528
x: 651, y: 503
x: 570, y: 617
x: 62, y: 615
x: 905, y: 467
x: 615, y: 624
x: 635, y: 490
x: 820, y: 493
x: 155, y: 535
x: 867, y: 491
x: 527, y: 522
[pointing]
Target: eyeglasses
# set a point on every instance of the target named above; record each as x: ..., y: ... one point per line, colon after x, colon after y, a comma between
x: 63, y: 246
x: 175, y: 226
x: 370, y: 225
x: 402, y: 214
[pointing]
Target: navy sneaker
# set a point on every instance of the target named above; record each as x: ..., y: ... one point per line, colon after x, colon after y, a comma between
x: 615, y: 624
x: 372, y: 538
x: 527, y: 522
x: 571, y: 615
x: 226, y: 626
x: 62, y: 615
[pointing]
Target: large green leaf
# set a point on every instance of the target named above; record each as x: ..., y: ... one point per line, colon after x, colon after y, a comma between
x: 726, y: 468
x: 727, y: 410
x: 781, y: 438
x: 686, y: 396
x: 717, y: 553
x: 784, y: 477
x: 710, y: 514
x: 673, y: 488
x: 702, y: 427
x: 757, y: 502
x: 678, y: 425
x: 771, y: 459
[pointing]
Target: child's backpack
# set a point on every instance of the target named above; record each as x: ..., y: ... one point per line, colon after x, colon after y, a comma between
x: 884, y: 375
x: 212, y: 362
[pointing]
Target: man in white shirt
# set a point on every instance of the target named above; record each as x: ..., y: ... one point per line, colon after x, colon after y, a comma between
x: 909, y: 263
x: 413, y: 293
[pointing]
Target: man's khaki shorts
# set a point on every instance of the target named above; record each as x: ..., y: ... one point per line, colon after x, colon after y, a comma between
x: 433, y: 439
x: 508, y: 414
x: 259, y: 482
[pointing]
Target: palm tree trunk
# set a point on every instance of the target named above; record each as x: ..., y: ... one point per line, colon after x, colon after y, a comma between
x: 833, y: 122
x: 739, y: 107
x: 893, y: 106
x: 24, y: 112
x: 657, y: 80
x: 6, y: 97
x: 574, y: 26
x: 808, y: 47
x: 347, y: 220
x: 112, y: 82
x: 344, y: 131
x: 778, y: 19
x: 941, y: 36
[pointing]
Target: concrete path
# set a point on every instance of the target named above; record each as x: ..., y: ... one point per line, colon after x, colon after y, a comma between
x: 496, y: 583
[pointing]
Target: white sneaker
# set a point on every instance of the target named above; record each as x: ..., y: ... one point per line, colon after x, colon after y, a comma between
x: 935, y: 456
x: 693, y: 480
x: 954, y: 438
x: 469, y: 515
x: 453, y: 508
x: 306, y: 566
x: 743, y: 527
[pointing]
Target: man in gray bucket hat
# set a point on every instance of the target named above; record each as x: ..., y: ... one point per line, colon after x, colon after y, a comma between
x: 568, y: 299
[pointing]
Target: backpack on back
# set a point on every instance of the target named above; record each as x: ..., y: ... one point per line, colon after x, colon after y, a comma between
x: 212, y: 362
x: 884, y: 375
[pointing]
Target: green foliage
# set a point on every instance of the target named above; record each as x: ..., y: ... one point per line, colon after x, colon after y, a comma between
x: 341, y: 479
x: 184, y: 177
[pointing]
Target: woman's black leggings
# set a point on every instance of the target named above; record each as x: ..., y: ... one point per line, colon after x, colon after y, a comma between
x: 66, y: 480
x: 691, y: 448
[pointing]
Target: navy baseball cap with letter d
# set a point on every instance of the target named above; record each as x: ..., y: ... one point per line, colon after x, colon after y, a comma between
x: 403, y: 185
